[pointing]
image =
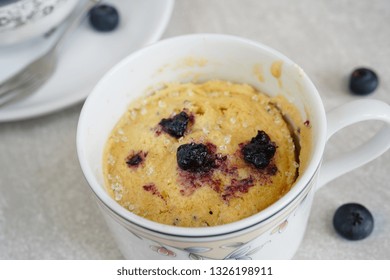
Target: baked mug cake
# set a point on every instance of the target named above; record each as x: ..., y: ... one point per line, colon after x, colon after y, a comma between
x: 205, y: 154
x: 195, y: 157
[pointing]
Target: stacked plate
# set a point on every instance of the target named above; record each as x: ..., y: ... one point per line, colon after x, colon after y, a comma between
x: 86, y: 56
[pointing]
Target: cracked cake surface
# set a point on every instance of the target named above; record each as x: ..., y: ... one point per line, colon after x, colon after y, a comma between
x: 207, y: 154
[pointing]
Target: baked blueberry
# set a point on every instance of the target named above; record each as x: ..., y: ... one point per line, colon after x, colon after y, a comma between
x: 363, y: 81
x: 353, y: 221
x: 135, y: 159
x: 195, y: 158
x: 259, y: 151
x: 261, y: 138
x: 255, y: 154
x: 175, y: 126
x: 104, y: 17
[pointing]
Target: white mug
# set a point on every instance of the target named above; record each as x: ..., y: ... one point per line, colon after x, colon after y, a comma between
x: 274, y: 233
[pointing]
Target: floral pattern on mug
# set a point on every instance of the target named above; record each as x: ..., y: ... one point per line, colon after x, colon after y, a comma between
x: 197, y: 250
x: 193, y: 256
x: 136, y: 235
x: 232, y: 245
x: 245, y: 253
x: 162, y: 251
x: 280, y: 228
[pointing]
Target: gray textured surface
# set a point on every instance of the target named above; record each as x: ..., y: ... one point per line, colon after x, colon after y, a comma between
x: 46, y: 211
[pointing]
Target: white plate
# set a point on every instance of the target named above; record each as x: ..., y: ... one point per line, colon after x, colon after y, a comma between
x: 85, y: 57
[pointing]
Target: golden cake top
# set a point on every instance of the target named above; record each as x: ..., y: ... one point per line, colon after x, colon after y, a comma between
x: 204, y: 154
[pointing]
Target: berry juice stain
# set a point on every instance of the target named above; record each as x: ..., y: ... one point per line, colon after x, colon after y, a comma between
x: 196, y: 165
x: 153, y: 190
x: 237, y: 186
x: 199, y: 163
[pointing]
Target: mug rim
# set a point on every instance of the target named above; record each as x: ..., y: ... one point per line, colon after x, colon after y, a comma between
x: 298, y: 187
x: 208, y: 237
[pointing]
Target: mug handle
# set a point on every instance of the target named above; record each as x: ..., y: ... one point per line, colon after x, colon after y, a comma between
x: 345, y: 115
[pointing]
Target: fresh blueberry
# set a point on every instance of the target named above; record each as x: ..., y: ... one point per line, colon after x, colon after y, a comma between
x: 353, y: 221
x: 104, y: 17
x: 259, y: 151
x: 177, y: 125
x: 363, y: 81
x: 195, y: 158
